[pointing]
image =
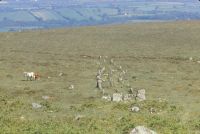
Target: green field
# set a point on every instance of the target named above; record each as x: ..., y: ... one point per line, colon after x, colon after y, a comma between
x: 89, y: 13
x: 108, y: 11
x: 155, y: 55
x: 46, y: 15
x: 71, y: 14
x: 17, y: 16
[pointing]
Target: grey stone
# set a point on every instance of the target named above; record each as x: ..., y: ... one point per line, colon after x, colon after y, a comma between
x: 142, y: 130
x: 107, y: 98
x: 152, y: 110
x: 135, y: 109
x: 36, y: 105
x: 117, y: 97
x: 141, y: 95
x: 71, y: 87
x: 128, y: 97
x: 78, y: 117
x: 45, y: 97
x: 60, y: 74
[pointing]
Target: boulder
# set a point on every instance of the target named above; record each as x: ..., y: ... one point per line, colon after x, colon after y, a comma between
x: 36, y: 105
x: 22, y: 118
x: 135, y: 109
x: 117, y: 97
x: 152, y: 110
x: 71, y: 87
x: 107, y: 98
x: 142, y: 130
x: 60, y: 74
x: 140, y: 96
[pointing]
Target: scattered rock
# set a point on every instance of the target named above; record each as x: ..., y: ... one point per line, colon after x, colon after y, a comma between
x: 49, y: 77
x: 141, y: 95
x: 128, y: 97
x: 190, y: 58
x: 161, y: 100
x: 45, y: 97
x: 71, y: 87
x: 117, y: 97
x: 78, y: 117
x: 60, y: 74
x: 142, y: 130
x: 135, y: 109
x: 36, y: 105
x: 22, y: 118
x: 107, y: 98
x: 198, y: 61
x: 152, y: 110
x: 131, y: 91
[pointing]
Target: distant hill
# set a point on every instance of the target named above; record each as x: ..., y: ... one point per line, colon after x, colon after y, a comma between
x: 23, y: 14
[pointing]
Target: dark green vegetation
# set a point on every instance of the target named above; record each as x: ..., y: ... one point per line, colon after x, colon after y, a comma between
x: 156, y: 56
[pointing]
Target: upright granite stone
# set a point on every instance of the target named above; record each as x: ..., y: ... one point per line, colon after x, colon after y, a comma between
x: 117, y: 97
x: 140, y: 96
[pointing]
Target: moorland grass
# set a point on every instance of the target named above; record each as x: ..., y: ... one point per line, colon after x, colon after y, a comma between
x: 156, y: 56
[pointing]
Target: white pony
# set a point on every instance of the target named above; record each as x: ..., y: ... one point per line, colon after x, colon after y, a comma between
x: 29, y: 76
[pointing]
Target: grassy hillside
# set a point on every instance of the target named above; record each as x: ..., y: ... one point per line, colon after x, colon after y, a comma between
x: 156, y: 56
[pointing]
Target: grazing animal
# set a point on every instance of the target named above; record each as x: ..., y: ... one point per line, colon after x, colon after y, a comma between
x: 37, y: 76
x: 30, y: 76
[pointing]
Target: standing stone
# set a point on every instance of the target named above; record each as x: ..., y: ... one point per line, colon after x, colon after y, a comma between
x: 99, y: 82
x: 117, y: 97
x: 142, y: 130
x: 141, y: 95
x: 128, y: 97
